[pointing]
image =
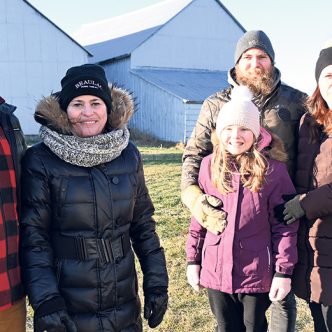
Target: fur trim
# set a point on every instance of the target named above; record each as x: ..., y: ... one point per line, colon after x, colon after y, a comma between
x: 122, y: 108
x: 48, y: 112
x: 277, y: 150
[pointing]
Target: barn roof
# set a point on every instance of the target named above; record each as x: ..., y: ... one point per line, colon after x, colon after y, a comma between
x: 129, y: 23
x: 192, y: 86
x: 119, y: 47
x: 46, y: 18
x: 118, y: 36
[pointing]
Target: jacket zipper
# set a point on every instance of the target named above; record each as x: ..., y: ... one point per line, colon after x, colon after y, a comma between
x: 307, y: 243
x: 269, y: 258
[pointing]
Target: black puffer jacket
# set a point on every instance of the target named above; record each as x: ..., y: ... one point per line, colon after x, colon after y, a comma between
x: 313, y: 273
x: 100, y: 212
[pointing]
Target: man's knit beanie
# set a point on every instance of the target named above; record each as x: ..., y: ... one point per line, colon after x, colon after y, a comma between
x: 254, y: 39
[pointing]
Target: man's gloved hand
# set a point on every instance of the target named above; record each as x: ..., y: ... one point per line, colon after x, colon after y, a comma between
x: 155, y: 305
x: 193, y: 271
x: 291, y: 210
x: 280, y: 288
x: 58, y: 321
x: 205, y: 208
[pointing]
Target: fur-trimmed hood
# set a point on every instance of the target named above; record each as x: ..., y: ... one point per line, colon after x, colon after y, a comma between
x: 48, y: 112
x: 269, y: 143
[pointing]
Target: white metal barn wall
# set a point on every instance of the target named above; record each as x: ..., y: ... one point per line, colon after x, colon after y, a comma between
x: 201, y: 36
x: 117, y: 72
x: 191, y: 115
x: 160, y: 113
x: 34, y: 56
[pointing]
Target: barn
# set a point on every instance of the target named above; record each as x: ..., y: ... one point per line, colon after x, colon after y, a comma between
x: 171, y: 55
x: 34, y: 56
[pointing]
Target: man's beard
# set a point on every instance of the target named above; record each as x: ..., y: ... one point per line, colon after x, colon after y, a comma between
x: 259, y: 81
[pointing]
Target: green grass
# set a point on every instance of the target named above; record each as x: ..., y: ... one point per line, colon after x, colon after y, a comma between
x: 188, y: 310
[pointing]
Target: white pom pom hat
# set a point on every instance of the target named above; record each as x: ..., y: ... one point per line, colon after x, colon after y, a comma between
x: 240, y: 111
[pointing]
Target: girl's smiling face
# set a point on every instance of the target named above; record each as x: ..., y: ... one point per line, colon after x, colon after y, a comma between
x: 237, y: 139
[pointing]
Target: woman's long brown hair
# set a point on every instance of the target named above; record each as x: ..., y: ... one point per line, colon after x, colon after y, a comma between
x: 320, y: 111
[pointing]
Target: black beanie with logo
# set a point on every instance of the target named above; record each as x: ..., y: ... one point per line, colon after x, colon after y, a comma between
x: 88, y: 79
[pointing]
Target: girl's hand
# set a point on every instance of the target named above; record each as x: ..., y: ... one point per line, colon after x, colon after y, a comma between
x: 193, y: 272
x: 280, y: 288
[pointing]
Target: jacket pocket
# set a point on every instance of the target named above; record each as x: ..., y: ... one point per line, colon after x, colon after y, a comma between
x: 254, y: 258
x: 211, y: 252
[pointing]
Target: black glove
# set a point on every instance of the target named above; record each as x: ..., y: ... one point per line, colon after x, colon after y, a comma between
x: 58, y: 321
x: 289, y: 211
x: 155, y: 305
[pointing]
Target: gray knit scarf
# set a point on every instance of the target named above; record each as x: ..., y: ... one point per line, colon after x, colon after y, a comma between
x: 86, y: 151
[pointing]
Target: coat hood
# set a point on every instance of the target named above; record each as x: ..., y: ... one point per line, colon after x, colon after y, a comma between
x: 49, y: 113
x: 268, y: 142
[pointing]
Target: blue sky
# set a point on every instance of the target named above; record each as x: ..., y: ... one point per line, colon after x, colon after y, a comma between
x: 298, y: 29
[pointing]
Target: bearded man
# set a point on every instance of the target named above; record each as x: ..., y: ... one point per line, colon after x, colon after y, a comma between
x: 281, y: 108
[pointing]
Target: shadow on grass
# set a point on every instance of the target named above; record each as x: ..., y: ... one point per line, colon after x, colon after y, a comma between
x: 161, y: 158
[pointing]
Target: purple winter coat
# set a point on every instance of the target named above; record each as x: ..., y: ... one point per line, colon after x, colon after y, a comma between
x: 254, y: 244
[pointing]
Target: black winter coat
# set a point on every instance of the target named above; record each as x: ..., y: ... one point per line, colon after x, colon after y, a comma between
x: 107, y: 211
x: 313, y: 273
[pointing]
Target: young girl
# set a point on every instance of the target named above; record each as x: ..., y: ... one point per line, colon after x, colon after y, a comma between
x: 252, y: 261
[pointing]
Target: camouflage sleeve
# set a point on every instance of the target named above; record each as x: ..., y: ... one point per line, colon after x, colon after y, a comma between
x: 199, y: 144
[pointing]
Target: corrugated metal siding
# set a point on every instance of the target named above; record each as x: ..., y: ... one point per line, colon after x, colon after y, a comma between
x: 34, y: 56
x: 159, y: 113
x: 190, y: 85
x: 117, y: 72
x: 192, y: 112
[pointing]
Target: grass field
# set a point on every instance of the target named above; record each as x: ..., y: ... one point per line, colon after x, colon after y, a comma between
x: 188, y: 310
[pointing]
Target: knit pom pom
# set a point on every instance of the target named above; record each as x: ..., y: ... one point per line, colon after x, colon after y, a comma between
x: 240, y: 93
x: 328, y: 44
x: 239, y: 111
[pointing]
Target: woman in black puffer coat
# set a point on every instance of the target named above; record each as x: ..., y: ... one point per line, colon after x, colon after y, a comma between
x: 85, y: 209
